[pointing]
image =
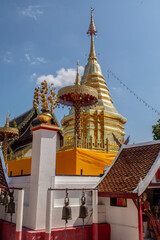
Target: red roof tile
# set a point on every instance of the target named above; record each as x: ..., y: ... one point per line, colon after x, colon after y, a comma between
x: 132, y: 164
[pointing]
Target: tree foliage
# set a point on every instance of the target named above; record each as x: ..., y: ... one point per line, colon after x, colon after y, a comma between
x: 156, y: 130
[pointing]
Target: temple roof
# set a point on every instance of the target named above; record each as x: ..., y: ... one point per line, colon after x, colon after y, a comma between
x: 24, y: 122
x: 133, y: 169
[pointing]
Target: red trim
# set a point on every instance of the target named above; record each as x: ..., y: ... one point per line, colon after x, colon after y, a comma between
x: 46, y: 126
x: 19, y: 235
x: 47, y: 236
x: 158, y: 175
x: 8, y: 231
x: 95, y: 231
x: 140, y: 220
x: 118, y: 195
x: 154, y: 185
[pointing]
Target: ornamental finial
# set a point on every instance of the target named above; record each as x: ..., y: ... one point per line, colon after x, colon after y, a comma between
x: 92, y: 29
x: 7, y: 120
x: 45, y: 99
x: 77, y: 76
x: 92, y: 32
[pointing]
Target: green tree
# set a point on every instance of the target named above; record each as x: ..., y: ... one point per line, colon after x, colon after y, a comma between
x: 156, y: 130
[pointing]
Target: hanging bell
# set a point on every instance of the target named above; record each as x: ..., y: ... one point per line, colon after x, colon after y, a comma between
x: 1, y: 198
x: 5, y: 199
x: 11, y: 206
x: 66, y: 212
x: 83, y: 210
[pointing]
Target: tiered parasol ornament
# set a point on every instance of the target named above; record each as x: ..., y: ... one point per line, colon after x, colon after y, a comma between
x: 7, y: 132
x: 78, y: 96
x: 45, y: 100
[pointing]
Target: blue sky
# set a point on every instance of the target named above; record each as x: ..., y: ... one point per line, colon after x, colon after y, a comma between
x: 45, y: 38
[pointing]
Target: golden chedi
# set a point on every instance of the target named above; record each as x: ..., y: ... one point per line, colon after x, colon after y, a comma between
x: 97, y: 122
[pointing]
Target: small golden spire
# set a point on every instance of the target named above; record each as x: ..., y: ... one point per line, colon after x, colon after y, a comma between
x: 77, y: 76
x: 7, y: 120
x: 92, y: 31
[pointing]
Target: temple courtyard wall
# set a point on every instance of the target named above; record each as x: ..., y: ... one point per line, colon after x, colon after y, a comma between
x: 123, y: 220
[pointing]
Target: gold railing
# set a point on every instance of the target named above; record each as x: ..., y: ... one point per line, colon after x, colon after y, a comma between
x: 89, y: 143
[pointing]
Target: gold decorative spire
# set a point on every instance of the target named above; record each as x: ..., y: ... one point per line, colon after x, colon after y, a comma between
x: 92, y: 54
x: 92, y: 31
x: 7, y: 120
x: 77, y: 76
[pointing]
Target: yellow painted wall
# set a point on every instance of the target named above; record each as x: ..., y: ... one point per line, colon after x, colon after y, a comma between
x: 71, y: 162
x: 16, y: 166
x: 68, y: 162
x: 92, y: 162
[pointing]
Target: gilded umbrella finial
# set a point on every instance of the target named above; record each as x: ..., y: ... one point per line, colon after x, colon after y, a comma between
x: 45, y: 100
x: 7, y: 132
x: 78, y: 96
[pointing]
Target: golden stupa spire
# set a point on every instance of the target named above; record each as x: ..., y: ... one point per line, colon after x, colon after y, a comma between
x: 92, y: 31
x: 77, y: 76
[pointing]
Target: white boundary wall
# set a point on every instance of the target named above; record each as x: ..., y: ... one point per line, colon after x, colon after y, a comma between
x: 58, y: 196
x: 123, y: 220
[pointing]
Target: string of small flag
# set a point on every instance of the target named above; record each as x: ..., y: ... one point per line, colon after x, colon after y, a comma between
x: 132, y: 92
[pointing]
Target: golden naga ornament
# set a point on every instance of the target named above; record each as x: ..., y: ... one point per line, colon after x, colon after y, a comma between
x: 45, y: 99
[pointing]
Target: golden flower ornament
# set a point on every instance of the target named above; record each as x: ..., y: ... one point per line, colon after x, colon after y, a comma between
x: 45, y: 99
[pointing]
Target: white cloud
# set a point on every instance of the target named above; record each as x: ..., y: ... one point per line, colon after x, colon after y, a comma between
x: 34, y: 60
x: 118, y: 89
x: 8, y: 58
x: 38, y: 60
x: 32, y: 12
x: 27, y: 57
x: 63, y: 77
x: 34, y: 74
x: 33, y: 77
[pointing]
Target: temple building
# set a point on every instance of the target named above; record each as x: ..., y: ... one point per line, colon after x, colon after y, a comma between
x: 96, y: 145
x: 101, y: 127
x: 100, y: 121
